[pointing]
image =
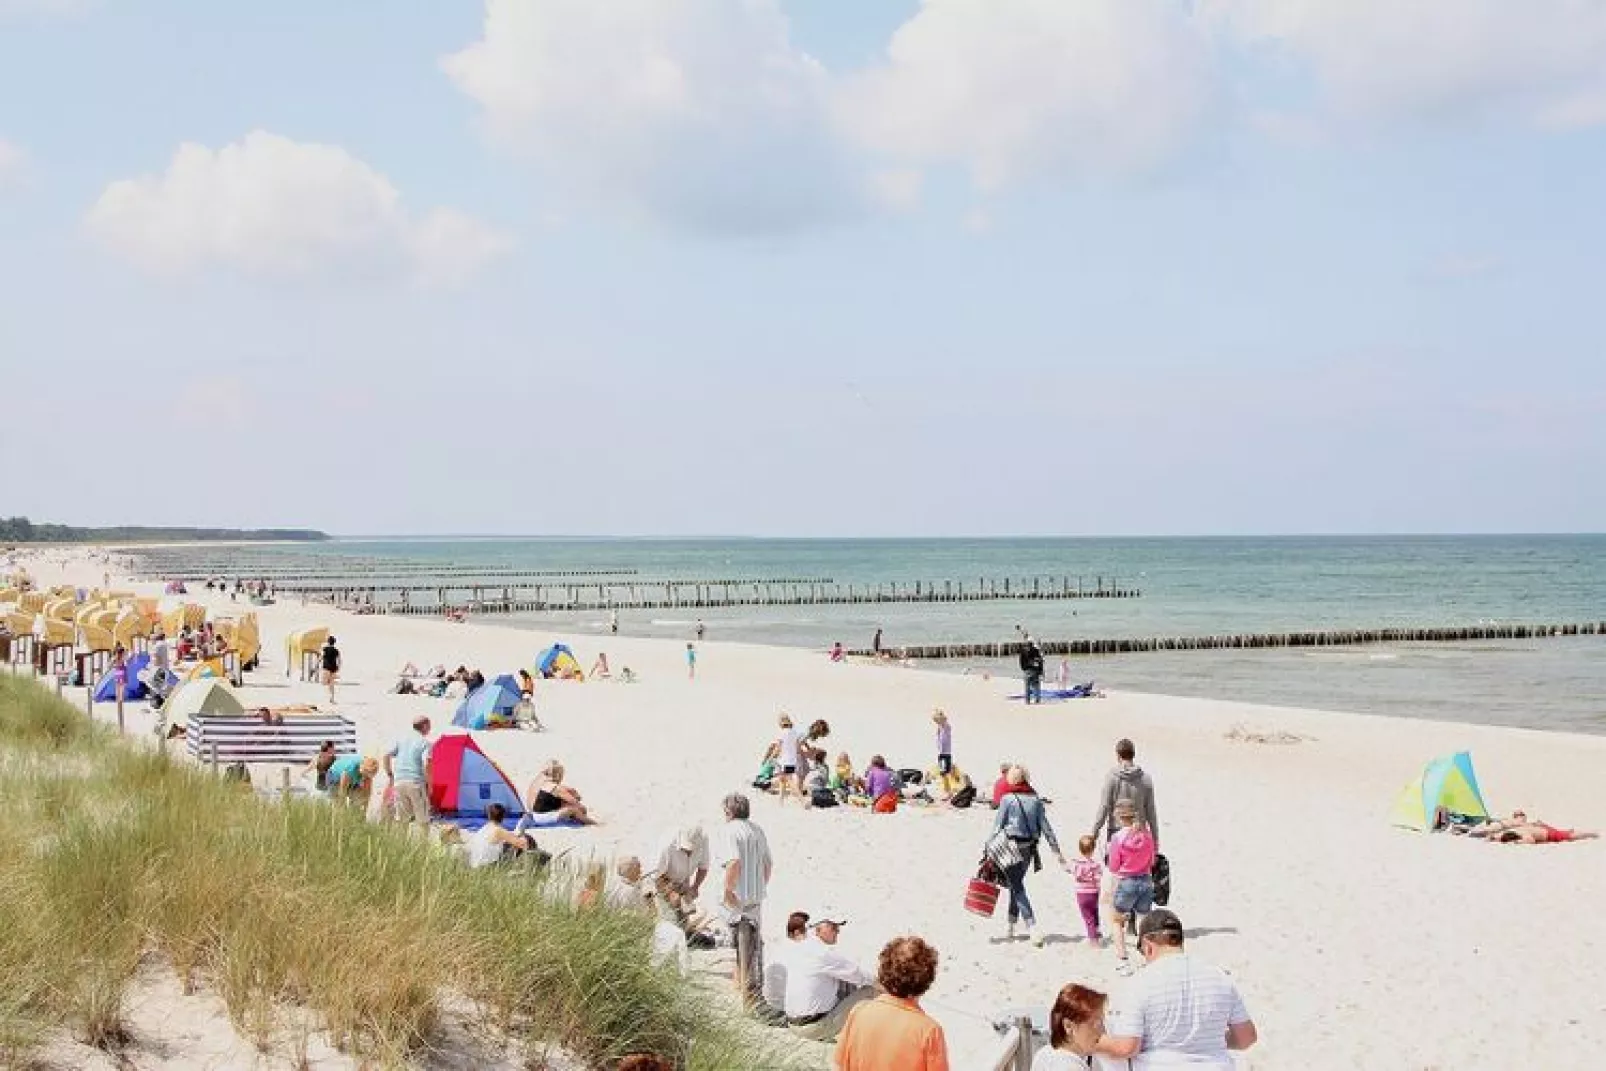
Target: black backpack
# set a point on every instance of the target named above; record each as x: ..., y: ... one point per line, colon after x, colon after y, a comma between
x: 1161, y: 873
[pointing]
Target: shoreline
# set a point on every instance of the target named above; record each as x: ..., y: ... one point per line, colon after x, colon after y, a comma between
x: 1267, y: 840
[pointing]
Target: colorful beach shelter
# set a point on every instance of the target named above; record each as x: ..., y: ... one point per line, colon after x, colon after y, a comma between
x: 209, y: 695
x: 134, y: 688
x: 494, y: 699
x: 559, y: 661
x: 1448, y: 782
x: 463, y: 781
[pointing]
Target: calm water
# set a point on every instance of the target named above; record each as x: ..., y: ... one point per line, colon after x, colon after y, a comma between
x: 1190, y: 586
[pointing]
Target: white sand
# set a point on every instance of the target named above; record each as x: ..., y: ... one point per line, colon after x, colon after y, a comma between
x: 1355, y: 944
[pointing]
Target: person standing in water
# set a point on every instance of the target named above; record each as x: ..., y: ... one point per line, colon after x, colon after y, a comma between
x: 875, y: 644
x: 699, y: 630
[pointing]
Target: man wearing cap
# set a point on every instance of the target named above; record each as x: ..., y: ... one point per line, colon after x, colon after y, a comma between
x: 823, y: 985
x: 1178, y: 1012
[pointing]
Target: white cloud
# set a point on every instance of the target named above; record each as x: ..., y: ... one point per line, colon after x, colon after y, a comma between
x: 1544, y: 60
x: 698, y: 113
x: 1025, y: 90
x: 13, y: 162
x: 274, y: 207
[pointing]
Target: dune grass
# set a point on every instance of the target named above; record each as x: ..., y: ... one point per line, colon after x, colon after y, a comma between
x: 110, y: 853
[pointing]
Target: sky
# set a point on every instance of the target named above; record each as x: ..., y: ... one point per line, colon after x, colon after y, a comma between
x: 805, y: 267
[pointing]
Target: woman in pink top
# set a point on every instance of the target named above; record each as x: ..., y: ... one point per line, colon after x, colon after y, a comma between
x: 1131, y: 859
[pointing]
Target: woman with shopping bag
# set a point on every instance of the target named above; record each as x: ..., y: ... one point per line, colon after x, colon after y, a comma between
x: 1013, y: 846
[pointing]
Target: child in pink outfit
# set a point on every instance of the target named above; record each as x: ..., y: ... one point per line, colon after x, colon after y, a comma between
x: 1088, y: 874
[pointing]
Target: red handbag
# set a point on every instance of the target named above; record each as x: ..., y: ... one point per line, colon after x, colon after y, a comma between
x: 981, y: 897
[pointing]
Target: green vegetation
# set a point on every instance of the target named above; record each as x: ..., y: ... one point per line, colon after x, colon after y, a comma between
x: 111, y: 854
x: 22, y: 530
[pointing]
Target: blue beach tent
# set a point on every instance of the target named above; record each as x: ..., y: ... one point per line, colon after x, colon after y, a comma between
x: 491, y: 699
x: 106, y: 690
x: 558, y: 660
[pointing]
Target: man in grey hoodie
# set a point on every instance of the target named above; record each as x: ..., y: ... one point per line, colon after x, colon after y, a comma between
x: 1127, y: 782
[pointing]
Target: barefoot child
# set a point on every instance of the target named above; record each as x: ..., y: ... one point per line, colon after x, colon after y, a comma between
x: 1088, y: 875
x: 945, y: 742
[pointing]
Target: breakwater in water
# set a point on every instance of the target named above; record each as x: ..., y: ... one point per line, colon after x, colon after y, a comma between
x: 1251, y: 641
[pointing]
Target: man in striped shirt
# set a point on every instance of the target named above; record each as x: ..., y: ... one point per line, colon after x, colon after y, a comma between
x: 746, y: 863
x: 1178, y: 1012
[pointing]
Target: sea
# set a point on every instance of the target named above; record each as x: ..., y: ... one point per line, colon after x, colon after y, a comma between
x: 1189, y: 586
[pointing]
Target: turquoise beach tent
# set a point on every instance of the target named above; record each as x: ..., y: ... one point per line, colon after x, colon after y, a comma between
x: 1448, y: 782
x: 493, y: 698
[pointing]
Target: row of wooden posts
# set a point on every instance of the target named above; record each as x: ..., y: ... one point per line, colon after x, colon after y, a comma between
x: 200, y: 574
x: 1253, y: 640
x: 402, y: 585
x: 664, y: 595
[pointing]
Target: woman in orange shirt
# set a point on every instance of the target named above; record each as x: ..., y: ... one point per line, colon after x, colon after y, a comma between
x: 892, y: 1032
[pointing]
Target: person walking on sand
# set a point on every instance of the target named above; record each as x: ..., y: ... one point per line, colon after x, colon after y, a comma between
x: 1023, y: 819
x: 1132, y: 862
x: 746, y: 863
x: 945, y: 742
x: 1179, y: 1012
x: 1127, y: 781
x: 893, y: 1032
x: 691, y: 662
x: 1089, y: 877
x: 407, y: 767
x: 331, y: 666
x: 1031, y: 665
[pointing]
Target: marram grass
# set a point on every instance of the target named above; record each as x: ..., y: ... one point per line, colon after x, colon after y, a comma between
x: 110, y: 853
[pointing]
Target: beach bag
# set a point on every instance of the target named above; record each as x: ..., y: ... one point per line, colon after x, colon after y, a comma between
x: 1002, y: 852
x: 981, y: 897
x: 964, y: 797
x: 822, y: 797
x: 1160, y: 873
x: 886, y: 803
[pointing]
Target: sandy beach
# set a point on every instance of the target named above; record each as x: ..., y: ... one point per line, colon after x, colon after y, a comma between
x: 1354, y: 944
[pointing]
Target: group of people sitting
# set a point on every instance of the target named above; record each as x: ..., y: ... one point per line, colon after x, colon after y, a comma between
x: 200, y: 644
x: 440, y: 684
x: 795, y: 765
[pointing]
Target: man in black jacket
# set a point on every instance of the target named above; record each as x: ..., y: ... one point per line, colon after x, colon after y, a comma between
x: 1031, y: 664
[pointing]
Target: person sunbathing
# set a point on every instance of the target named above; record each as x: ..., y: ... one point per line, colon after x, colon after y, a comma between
x: 550, y: 795
x: 1518, y: 829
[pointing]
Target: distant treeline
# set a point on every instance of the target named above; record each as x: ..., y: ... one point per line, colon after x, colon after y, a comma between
x: 22, y: 530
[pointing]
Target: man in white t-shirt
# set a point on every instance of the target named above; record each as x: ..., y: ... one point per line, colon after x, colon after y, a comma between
x: 1177, y: 1012
x: 747, y: 864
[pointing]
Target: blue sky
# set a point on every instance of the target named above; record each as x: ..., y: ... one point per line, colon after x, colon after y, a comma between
x: 786, y: 267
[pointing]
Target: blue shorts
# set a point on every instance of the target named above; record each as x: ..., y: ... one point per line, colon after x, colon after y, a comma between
x: 1134, y: 895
